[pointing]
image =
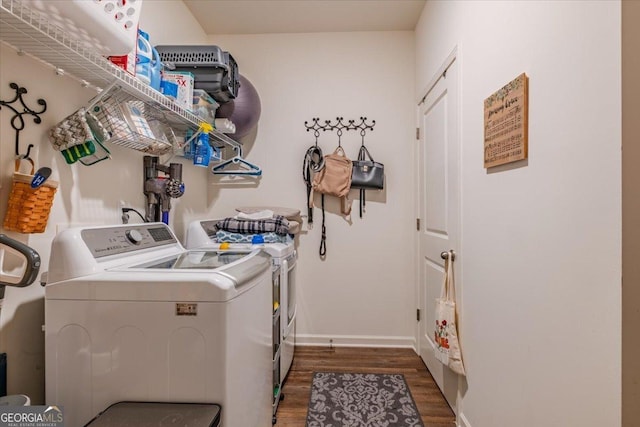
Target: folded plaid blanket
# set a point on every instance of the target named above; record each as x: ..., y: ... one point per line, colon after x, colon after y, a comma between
x: 278, y: 224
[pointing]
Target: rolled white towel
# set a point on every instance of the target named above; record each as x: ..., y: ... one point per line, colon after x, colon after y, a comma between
x: 264, y: 214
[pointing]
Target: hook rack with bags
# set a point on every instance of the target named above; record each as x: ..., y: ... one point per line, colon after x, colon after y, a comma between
x: 334, y: 174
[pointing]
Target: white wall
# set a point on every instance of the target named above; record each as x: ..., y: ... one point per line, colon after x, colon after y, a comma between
x: 87, y: 195
x: 541, y: 240
x: 362, y: 294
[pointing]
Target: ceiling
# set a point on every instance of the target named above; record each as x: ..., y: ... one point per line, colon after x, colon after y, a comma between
x: 304, y: 16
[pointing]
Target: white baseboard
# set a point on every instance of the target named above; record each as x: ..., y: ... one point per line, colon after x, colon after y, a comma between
x: 355, y: 341
x: 462, y: 421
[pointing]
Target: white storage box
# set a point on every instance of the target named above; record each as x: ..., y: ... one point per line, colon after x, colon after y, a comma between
x: 178, y: 85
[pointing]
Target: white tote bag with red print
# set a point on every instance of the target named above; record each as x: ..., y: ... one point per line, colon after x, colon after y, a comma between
x: 447, y: 348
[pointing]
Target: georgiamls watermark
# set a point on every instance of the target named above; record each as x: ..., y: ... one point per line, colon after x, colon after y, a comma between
x: 31, y: 416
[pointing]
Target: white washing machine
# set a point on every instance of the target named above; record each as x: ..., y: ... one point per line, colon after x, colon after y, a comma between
x: 130, y: 315
x: 201, y: 234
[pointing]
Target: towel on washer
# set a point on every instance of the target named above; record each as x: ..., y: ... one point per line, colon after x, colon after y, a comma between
x: 264, y: 214
x: 278, y: 224
x: 290, y: 213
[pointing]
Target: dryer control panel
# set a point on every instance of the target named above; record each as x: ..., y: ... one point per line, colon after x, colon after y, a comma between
x: 133, y: 237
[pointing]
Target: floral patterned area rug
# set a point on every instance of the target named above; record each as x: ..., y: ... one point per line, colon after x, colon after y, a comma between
x: 361, y: 400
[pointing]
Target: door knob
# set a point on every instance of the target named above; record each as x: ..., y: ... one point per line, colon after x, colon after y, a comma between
x: 445, y: 255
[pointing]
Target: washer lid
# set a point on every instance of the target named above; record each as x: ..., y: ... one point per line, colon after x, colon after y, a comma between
x: 205, y: 259
x: 239, y: 266
x: 185, y: 276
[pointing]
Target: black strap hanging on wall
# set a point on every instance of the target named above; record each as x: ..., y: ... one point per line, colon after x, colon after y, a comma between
x: 361, y: 156
x: 17, y: 121
x: 313, y: 163
x: 323, y: 236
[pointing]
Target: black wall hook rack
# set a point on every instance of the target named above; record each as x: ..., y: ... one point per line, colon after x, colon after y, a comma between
x: 17, y: 121
x: 339, y: 127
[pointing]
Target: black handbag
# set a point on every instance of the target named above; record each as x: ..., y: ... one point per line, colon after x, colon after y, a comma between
x: 366, y: 174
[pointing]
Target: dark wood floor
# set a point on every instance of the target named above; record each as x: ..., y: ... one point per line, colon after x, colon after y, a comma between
x: 297, y: 389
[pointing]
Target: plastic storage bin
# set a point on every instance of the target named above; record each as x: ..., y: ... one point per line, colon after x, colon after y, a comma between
x: 215, y: 71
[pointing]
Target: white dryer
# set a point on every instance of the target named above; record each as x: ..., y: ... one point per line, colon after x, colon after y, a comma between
x: 201, y: 234
x: 130, y: 315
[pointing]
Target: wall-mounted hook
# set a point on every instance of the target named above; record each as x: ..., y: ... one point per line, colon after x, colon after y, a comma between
x: 17, y: 121
x: 363, y: 127
x: 340, y: 127
x: 315, y: 127
x: 27, y: 155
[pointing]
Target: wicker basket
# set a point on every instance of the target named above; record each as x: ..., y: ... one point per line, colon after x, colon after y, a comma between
x: 28, y: 208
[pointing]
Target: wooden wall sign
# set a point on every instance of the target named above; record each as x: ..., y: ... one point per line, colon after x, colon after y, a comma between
x: 506, y: 120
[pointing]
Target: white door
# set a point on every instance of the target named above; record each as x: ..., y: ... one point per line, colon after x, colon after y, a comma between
x: 439, y: 210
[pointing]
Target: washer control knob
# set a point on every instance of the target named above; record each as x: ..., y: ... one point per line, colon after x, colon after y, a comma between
x: 133, y: 236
